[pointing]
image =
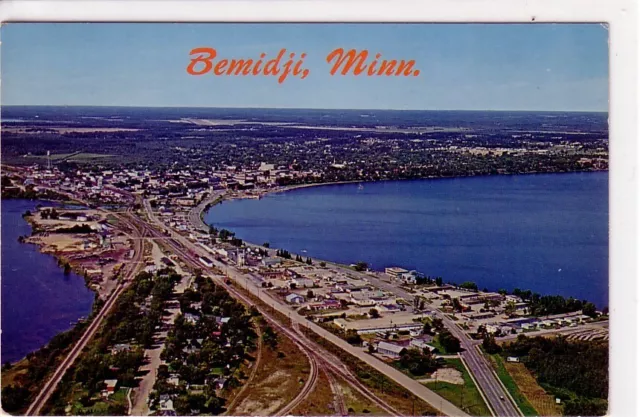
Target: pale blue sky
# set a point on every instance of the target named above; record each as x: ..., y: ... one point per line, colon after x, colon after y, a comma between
x: 463, y: 66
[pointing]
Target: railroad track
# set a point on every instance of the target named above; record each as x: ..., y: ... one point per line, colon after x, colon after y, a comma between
x: 49, y: 387
x: 309, y: 385
x: 340, y: 406
x: 319, y: 355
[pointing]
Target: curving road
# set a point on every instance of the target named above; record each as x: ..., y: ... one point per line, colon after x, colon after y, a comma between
x: 496, y: 396
x: 191, y: 252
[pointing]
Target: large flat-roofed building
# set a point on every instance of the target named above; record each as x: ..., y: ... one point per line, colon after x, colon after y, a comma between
x: 481, y: 297
x: 390, y: 349
x: 395, y: 271
x: 271, y: 261
x: 479, y: 316
x: 391, y: 323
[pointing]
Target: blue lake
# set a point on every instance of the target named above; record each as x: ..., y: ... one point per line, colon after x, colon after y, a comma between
x: 38, y: 299
x: 547, y: 232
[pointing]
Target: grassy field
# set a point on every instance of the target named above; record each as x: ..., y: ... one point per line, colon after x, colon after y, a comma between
x: 72, y: 157
x: 520, y: 399
x: 533, y: 392
x: 355, y: 401
x: 54, y: 156
x: 12, y: 375
x: 84, y: 157
x: 436, y: 344
x: 465, y: 396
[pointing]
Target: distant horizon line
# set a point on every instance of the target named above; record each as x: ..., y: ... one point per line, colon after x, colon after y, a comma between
x: 296, y: 108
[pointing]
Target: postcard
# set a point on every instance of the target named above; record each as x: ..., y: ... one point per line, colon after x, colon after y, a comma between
x: 308, y: 219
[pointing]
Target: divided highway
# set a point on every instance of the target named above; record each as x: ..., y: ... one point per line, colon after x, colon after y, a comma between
x: 497, y: 398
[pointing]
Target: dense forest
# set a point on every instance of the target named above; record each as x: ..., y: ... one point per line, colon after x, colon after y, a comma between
x: 577, y: 372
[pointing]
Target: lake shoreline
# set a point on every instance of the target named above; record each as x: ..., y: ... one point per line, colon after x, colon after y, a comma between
x: 61, y: 265
x: 408, y: 265
x: 263, y: 192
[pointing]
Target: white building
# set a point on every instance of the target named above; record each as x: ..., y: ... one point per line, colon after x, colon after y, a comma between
x: 395, y: 272
x: 390, y: 349
x: 421, y: 344
x: 294, y: 299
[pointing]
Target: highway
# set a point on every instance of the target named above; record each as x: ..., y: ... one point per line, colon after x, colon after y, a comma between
x: 192, y: 252
x: 194, y: 214
x: 49, y: 387
x: 496, y: 396
x: 318, y: 357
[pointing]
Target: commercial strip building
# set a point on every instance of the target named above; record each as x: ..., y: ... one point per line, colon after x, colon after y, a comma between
x: 392, y: 323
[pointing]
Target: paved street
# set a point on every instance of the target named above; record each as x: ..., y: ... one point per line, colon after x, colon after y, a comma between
x: 246, y: 282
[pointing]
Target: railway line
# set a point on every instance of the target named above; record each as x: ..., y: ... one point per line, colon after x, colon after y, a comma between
x: 308, y: 387
x: 50, y: 386
x: 319, y: 358
x: 339, y: 403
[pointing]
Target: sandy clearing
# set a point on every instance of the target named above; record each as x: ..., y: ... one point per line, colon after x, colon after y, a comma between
x: 450, y: 375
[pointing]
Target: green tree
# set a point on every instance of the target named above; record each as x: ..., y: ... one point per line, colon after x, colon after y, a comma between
x: 510, y: 308
x: 469, y: 285
x: 489, y: 344
x: 418, y: 362
x: 352, y: 337
x: 449, y: 342
x: 374, y: 314
x: 361, y: 266
x: 182, y: 406
x: 270, y: 338
x: 589, y: 309
x: 14, y: 397
x: 437, y: 323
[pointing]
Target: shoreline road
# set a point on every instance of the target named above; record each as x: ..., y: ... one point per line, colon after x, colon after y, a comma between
x: 498, y: 400
x: 195, y: 213
x: 50, y: 386
x: 327, y: 361
x: 248, y: 283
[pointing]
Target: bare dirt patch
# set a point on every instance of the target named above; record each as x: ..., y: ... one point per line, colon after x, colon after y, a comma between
x: 320, y: 401
x: 450, y: 375
x: 278, y: 380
